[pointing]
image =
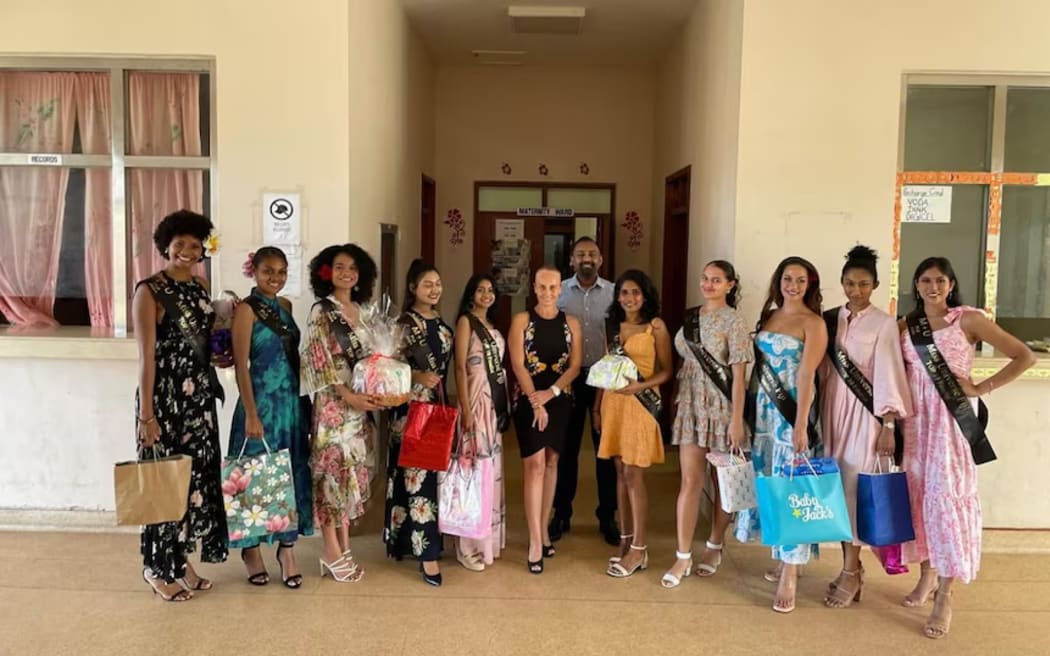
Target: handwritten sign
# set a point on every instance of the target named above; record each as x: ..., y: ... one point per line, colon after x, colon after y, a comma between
x: 926, y: 204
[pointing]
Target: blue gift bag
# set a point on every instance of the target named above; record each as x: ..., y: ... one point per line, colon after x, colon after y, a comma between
x: 884, y: 509
x: 796, y: 510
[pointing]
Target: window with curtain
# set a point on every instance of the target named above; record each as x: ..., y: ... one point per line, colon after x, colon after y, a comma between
x: 60, y: 143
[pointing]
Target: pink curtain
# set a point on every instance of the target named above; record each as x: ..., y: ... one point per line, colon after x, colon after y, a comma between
x: 164, y: 117
x: 93, y: 119
x: 36, y: 116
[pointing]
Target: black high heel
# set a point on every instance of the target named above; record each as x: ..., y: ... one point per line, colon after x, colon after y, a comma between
x: 548, y: 551
x: 294, y: 581
x: 430, y: 579
x: 259, y: 578
x: 535, y: 566
x: 151, y: 581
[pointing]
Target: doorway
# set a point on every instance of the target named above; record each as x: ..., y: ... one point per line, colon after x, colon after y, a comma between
x: 388, y: 238
x: 675, y: 267
x: 501, y: 221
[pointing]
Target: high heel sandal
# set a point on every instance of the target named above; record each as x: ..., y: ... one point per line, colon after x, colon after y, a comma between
x: 548, y: 551
x: 843, y: 598
x: 618, y: 571
x: 295, y: 580
x: 258, y: 578
x: 794, y: 594
x: 773, y: 575
x: 935, y: 629
x: 834, y: 584
x: 670, y: 580
x: 342, y: 570
x: 909, y: 602
x: 430, y: 579
x: 201, y: 583
x: 616, y: 559
x: 152, y: 581
x: 705, y: 569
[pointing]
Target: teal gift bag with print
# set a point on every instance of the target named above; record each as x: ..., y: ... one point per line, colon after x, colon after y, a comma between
x: 259, y: 494
x: 798, y: 509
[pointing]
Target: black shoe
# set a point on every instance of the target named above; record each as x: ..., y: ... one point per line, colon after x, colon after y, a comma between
x: 430, y: 579
x: 557, y: 528
x: 610, y: 533
x: 548, y: 551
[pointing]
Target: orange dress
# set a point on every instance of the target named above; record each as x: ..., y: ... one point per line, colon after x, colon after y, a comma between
x: 628, y: 430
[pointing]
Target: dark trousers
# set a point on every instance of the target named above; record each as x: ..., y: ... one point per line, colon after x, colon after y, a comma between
x: 569, y: 460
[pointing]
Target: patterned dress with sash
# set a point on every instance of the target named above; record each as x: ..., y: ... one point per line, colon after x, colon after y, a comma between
x: 342, y: 457
x: 773, y: 450
x: 275, y: 387
x: 184, y: 393
x: 411, y: 526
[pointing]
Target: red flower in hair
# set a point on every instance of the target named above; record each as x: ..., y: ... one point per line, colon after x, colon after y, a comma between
x: 325, y: 273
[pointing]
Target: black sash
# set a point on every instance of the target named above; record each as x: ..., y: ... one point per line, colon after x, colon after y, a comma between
x: 951, y: 392
x: 182, y: 313
x: 721, y: 375
x: 496, y: 373
x: 348, y: 339
x: 762, y: 374
x: 648, y: 397
x: 272, y: 320
x: 417, y: 350
x: 854, y: 378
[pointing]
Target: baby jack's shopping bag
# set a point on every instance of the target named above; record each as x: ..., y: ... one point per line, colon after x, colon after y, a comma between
x: 259, y: 494
x: 799, y: 509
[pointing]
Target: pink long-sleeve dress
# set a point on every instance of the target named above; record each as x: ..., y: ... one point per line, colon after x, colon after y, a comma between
x: 942, y: 477
x: 871, y: 340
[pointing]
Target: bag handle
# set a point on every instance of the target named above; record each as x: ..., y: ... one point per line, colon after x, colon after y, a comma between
x: 245, y: 445
x: 891, y: 468
x: 805, y: 460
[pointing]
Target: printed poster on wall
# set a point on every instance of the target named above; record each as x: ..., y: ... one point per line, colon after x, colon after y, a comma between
x: 510, y: 264
x: 282, y: 218
x: 926, y: 204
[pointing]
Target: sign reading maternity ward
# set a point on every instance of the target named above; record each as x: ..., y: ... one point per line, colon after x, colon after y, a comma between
x: 281, y: 218
x: 926, y: 204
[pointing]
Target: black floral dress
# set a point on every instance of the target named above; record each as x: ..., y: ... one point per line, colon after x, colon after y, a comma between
x: 184, y: 393
x: 411, y: 524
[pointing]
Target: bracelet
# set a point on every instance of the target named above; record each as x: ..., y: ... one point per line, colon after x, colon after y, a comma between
x: 148, y: 421
x: 991, y: 385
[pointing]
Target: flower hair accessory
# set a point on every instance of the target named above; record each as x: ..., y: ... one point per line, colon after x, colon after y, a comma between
x: 212, y: 244
x: 247, y: 269
x: 325, y: 272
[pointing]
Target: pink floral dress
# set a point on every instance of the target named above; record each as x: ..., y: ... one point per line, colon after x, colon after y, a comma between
x: 942, y: 477
x: 343, y: 449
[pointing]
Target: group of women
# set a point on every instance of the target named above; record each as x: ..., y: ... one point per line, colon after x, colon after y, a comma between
x: 333, y: 440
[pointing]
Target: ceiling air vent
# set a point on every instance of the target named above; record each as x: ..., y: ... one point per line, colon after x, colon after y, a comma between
x: 498, y: 57
x: 546, y: 20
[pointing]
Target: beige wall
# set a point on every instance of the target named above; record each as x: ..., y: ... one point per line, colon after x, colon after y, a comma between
x: 391, y: 126
x: 560, y: 116
x: 287, y: 119
x: 819, y: 111
x: 281, y: 114
x: 697, y: 112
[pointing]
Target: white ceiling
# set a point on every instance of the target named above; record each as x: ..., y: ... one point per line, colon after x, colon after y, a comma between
x: 613, y: 31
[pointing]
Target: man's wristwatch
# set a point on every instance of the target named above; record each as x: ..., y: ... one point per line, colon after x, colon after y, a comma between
x: 556, y: 391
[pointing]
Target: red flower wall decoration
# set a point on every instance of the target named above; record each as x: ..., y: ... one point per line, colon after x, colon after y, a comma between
x: 633, y: 224
x: 505, y: 168
x: 543, y: 169
x: 584, y: 169
x: 456, y: 227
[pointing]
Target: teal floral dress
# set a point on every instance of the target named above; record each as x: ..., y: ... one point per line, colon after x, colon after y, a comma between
x: 773, y: 450
x: 275, y: 385
x: 411, y: 527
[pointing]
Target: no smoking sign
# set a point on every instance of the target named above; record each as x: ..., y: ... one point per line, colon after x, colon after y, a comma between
x: 281, y: 218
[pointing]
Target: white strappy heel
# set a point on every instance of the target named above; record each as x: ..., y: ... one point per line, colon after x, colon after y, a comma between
x: 672, y: 581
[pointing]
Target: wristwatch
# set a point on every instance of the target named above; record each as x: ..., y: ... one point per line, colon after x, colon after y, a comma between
x: 556, y: 391
x: 889, y: 424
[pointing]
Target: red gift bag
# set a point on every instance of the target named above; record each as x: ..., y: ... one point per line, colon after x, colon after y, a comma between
x: 430, y: 429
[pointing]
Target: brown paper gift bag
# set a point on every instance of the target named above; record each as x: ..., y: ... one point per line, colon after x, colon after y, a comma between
x: 152, y: 491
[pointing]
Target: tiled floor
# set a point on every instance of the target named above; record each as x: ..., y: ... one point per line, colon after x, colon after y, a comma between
x: 81, y: 593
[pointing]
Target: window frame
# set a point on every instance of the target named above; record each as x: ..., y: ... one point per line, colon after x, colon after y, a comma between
x: 995, y: 179
x: 118, y: 162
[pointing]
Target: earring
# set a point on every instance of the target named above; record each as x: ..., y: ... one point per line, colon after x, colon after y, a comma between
x: 355, y: 288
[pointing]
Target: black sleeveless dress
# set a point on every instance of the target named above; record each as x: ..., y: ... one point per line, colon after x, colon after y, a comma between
x: 548, y: 343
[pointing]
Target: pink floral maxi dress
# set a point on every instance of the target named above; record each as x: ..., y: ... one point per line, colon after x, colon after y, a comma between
x: 942, y: 477
x: 343, y: 445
